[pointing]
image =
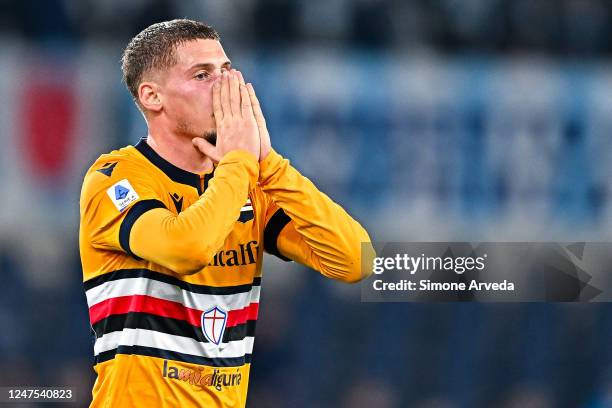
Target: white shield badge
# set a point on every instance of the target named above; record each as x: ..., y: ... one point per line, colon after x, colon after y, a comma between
x: 213, y: 324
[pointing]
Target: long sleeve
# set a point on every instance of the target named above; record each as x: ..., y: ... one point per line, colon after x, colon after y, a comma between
x: 321, y: 234
x: 139, y: 223
x: 187, y: 242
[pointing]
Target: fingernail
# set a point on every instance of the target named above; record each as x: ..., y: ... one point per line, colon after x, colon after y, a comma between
x: 216, y: 85
x: 224, y: 73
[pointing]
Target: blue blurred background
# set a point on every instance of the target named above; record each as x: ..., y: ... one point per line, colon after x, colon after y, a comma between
x: 427, y: 119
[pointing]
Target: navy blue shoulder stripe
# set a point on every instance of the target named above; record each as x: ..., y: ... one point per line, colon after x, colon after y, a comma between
x: 133, y: 214
x: 275, y: 225
x: 191, y: 287
x: 173, y: 355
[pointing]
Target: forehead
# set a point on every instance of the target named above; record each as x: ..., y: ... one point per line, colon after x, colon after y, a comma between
x: 200, y: 51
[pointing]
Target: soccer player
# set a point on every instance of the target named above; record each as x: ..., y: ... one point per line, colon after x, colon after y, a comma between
x: 173, y: 229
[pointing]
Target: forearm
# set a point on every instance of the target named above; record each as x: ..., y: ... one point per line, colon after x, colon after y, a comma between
x: 334, y: 242
x: 186, y: 242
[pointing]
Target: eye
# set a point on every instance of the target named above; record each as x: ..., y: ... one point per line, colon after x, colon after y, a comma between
x: 200, y: 76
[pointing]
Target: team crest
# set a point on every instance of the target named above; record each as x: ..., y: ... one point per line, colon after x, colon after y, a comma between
x: 213, y: 324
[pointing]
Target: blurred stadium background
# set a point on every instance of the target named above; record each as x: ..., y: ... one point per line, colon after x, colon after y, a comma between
x: 427, y: 119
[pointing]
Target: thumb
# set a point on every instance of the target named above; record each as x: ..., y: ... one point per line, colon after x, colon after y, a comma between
x: 206, y: 148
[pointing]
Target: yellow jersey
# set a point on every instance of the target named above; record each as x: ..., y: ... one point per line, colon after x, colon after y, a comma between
x: 172, y: 269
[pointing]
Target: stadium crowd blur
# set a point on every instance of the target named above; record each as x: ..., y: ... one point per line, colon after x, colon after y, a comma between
x: 427, y: 119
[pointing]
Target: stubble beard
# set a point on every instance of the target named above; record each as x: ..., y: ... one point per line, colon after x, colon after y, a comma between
x: 210, y: 135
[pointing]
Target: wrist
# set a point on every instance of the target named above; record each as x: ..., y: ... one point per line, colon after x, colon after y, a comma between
x: 264, y: 153
x: 269, y: 165
x: 245, y: 158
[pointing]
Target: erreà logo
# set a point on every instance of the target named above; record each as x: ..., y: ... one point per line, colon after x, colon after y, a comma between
x: 202, y: 378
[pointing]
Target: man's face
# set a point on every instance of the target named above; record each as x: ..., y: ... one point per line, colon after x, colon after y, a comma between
x: 186, y: 88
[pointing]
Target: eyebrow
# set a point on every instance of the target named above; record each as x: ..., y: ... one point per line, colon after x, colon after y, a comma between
x: 209, y: 66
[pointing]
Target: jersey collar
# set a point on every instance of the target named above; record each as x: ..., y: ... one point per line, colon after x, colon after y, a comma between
x: 174, y: 173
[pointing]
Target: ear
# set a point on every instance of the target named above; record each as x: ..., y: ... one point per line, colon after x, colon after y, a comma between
x: 149, y: 97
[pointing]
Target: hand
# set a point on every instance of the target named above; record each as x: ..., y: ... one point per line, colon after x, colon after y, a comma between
x: 237, y: 128
x: 264, y: 136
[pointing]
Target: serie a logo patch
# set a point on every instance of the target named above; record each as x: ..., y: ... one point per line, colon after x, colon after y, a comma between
x: 122, y: 194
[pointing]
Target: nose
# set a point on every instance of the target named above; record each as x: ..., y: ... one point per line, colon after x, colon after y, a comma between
x: 217, y: 72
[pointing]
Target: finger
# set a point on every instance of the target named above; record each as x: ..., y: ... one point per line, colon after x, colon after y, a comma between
x: 217, y: 111
x: 206, y: 148
x: 259, y: 117
x: 245, y: 105
x: 225, y: 98
x: 234, y: 94
x: 240, y: 77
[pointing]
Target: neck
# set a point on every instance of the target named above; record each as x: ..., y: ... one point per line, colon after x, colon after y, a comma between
x: 179, y: 151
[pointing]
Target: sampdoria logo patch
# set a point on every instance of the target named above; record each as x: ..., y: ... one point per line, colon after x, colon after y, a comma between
x: 122, y: 194
x: 213, y: 324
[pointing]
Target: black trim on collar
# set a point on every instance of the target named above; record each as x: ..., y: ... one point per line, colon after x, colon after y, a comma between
x: 207, y: 178
x: 175, y: 173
